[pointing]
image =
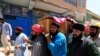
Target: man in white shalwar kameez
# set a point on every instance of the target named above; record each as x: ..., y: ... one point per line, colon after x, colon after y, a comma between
x: 21, y: 47
x: 6, y: 33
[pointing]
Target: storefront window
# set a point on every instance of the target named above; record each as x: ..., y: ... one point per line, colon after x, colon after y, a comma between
x: 73, y: 2
x: 14, y: 10
x: 82, y: 3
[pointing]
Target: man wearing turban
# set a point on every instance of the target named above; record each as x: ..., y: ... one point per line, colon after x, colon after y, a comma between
x: 21, y: 45
x: 80, y: 45
x: 39, y: 45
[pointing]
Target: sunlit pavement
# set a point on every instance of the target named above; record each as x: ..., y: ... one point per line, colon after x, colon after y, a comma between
x: 2, y: 54
x: 12, y: 52
x: 12, y: 49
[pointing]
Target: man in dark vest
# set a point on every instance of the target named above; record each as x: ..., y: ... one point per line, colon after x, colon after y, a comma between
x: 80, y: 45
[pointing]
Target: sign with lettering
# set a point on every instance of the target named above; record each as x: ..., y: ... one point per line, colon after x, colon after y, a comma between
x: 14, y: 10
x: 73, y: 2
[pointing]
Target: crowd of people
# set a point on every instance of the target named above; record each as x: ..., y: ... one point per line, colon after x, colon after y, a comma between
x: 81, y: 40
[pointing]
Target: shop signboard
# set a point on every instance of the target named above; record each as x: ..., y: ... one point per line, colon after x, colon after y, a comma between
x: 14, y: 10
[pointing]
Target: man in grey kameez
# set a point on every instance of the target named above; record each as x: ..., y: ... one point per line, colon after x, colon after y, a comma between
x: 39, y: 42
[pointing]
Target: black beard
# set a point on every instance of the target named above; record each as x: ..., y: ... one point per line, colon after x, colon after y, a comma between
x: 80, y: 36
x: 77, y: 38
x: 93, y: 34
x: 53, y: 34
x: 2, y: 22
x: 33, y: 37
x: 17, y: 34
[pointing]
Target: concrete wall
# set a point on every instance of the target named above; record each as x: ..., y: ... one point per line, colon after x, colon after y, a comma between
x: 78, y: 12
x: 93, y: 21
x: 63, y: 4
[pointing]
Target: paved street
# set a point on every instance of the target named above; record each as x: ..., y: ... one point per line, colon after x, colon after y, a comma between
x: 11, y: 54
x: 1, y: 49
x: 12, y: 49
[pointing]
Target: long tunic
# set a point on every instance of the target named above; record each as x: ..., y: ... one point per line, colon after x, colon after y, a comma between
x: 6, y: 32
x: 40, y: 46
x: 6, y: 29
x: 83, y: 47
x: 58, y: 45
x: 23, y: 50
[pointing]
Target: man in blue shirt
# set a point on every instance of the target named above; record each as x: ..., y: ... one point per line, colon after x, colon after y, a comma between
x: 57, y: 42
